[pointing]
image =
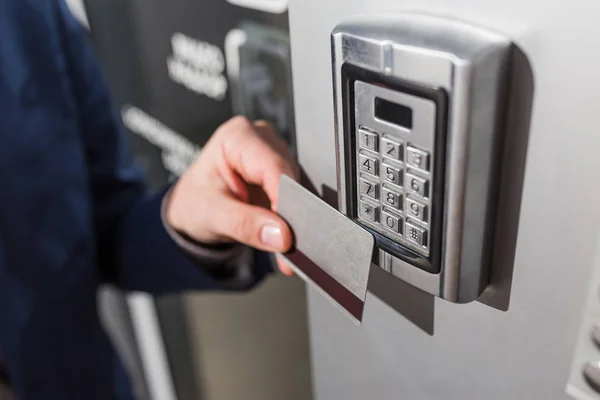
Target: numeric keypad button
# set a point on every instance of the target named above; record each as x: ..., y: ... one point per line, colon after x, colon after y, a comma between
x: 391, y: 174
x: 417, y: 185
x: 368, y: 212
x: 415, y: 234
x: 368, y: 164
x: 368, y: 140
x: 391, y: 222
x: 390, y: 198
x: 391, y: 149
x: 417, y: 158
x: 369, y: 189
x: 416, y: 209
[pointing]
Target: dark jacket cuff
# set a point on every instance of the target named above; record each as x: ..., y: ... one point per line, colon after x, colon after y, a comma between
x: 231, y: 263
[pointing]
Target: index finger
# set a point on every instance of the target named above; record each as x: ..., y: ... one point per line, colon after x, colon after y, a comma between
x: 254, y: 158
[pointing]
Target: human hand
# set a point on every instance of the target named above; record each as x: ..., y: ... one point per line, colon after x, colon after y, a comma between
x: 230, y: 192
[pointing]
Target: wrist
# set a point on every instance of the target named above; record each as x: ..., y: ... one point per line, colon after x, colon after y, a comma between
x: 207, y: 254
x: 170, y: 210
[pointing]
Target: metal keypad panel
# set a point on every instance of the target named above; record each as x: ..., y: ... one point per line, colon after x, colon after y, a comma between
x: 394, y: 173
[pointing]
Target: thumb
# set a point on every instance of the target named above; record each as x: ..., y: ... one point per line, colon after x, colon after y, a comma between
x: 251, y: 225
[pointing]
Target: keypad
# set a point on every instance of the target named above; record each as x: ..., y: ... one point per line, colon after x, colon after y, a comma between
x: 391, y: 222
x: 368, y: 164
x: 416, y: 158
x: 391, y: 173
x: 391, y: 149
x: 394, y: 184
x: 369, y: 212
x: 416, y: 209
x: 369, y: 188
x: 391, y: 198
x: 368, y: 140
x: 415, y: 233
x: 417, y: 185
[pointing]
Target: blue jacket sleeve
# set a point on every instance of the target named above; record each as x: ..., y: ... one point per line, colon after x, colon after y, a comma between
x: 134, y: 249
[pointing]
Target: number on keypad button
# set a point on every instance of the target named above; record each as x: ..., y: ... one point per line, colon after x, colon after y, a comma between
x: 391, y: 149
x: 417, y: 158
x: 368, y: 188
x: 416, y: 209
x: 368, y: 164
x: 391, y: 222
x: 417, y: 185
x: 391, y: 198
x: 391, y: 174
x: 368, y: 140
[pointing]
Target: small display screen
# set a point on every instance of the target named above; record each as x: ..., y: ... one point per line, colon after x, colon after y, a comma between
x: 393, y: 113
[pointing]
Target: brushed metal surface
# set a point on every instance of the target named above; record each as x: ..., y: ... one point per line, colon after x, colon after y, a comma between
x: 476, y: 352
x: 251, y: 346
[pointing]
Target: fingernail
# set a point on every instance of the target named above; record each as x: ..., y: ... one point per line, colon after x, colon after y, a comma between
x: 270, y: 236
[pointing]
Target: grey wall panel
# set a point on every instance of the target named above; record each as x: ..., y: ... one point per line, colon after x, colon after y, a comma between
x: 252, y: 346
x: 475, y: 352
